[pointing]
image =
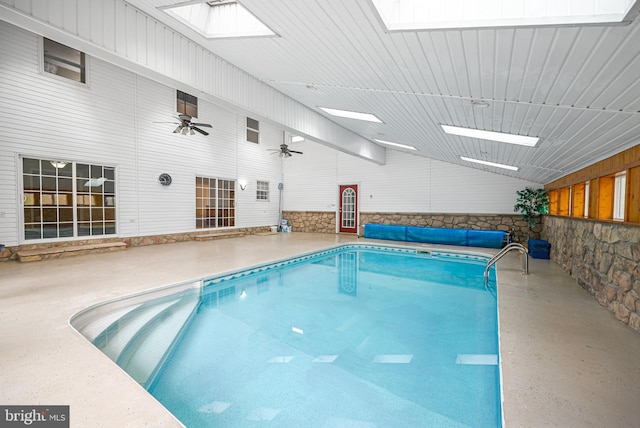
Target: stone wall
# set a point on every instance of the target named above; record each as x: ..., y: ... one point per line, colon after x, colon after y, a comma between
x: 604, y: 258
x: 10, y: 253
x: 325, y: 222
x: 311, y: 221
x: 139, y: 241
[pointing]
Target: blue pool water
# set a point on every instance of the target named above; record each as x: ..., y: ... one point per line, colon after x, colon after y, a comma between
x: 354, y: 337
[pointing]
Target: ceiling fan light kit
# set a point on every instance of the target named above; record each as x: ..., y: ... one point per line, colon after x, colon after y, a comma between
x: 285, y: 152
x: 186, y: 127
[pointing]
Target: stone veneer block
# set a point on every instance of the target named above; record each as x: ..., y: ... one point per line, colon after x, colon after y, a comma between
x: 604, y: 258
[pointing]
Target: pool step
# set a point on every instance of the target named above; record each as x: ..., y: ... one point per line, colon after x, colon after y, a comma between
x: 115, y: 338
x: 98, y: 325
x: 148, y: 347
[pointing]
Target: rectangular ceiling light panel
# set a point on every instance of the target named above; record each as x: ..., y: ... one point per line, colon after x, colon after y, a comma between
x: 497, y: 165
x: 389, y: 143
x: 501, y: 137
x: 351, y: 114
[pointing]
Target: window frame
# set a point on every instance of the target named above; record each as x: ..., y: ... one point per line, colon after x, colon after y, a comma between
x: 251, y: 131
x: 67, y: 197
x: 83, y: 66
x: 619, y: 196
x: 579, y: 199
x: 587, y: 198
x: 633, y: 194
x: 186, y: 103
x: 222, y: 205
x: 261, y: 191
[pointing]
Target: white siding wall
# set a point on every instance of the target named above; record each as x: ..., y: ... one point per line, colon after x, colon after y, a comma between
x: 118, y: 33
x: 310, y: 179
x: 259, y: 162
x: 110, y: 122
x: 406, y: 183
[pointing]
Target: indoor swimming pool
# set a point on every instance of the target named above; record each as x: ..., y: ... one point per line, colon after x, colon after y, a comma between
x: 353, y: 336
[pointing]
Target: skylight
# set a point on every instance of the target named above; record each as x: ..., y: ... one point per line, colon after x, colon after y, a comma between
x: 497, y: 165
x: 501, y: 137
x: 351, y: 114
x: 389, y: 143
x: 220, y: 19
x: 407, y: 15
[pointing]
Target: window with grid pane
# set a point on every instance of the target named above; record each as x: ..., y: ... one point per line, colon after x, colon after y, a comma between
x: 67, y: 199
x: 215, y: 202
x: 262, y: 191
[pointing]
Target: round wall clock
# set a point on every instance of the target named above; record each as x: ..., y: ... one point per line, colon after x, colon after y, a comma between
x: 164, y: 179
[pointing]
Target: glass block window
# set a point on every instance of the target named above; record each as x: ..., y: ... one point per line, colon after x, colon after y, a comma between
x: 215, y: 202
x: 67, y: 199
x: 262, y: 191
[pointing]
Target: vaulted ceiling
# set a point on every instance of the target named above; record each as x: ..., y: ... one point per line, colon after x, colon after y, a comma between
x: 577, y: 88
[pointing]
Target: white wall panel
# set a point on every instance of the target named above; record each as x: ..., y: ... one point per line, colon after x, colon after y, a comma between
x: 259, y: 162
x: 456, y: 189
x: 402, y: 185
x: 111, y: 121
x: 132, y: 43
x: 42, y: 115
x: 406, y: 183
x: 310, y: 179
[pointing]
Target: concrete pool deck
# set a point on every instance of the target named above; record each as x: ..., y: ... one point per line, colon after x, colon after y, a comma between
x: 566, y: 361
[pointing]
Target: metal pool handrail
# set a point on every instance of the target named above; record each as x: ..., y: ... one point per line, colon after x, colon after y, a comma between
x: 505, y: 250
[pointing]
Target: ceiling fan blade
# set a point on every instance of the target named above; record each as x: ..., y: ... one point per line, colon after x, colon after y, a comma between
x: 199, y: 130
x: 293, y: 151
x: 178, y: 129
x: 202, y: 124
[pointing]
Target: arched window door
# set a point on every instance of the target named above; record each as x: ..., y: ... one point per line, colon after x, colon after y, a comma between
x: 349, y: 208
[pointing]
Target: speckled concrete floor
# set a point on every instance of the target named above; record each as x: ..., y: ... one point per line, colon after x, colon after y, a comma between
x: 566, y: 361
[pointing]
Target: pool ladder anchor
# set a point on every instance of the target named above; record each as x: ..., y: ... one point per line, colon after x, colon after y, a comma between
x: 505, y: 250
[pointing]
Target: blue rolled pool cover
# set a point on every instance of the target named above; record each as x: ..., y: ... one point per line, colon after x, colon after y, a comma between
x: 486, y: 238
x: 436, y: 235
x: 385, y: 231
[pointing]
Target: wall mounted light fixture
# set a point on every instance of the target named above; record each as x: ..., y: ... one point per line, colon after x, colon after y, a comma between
x: 243, y: 184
